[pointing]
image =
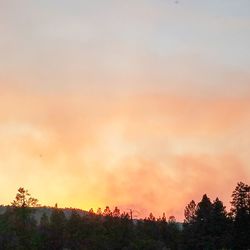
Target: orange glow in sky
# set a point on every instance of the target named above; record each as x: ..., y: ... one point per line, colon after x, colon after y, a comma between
x: 138, y: 105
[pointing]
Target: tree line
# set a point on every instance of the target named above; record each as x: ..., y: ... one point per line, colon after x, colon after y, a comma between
x: 207, y: 226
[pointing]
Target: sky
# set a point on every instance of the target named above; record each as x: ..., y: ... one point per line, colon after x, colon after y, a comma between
x: 139, y: 104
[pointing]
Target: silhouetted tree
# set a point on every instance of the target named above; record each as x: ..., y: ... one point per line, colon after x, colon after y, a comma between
x: 190, y: 212
x: 75, y: 233
x: 23, y: 199
x: 22, y: 224
x: 241, y: 215
x: 203, y: 210
x: 99, y: 211
x: 163, y: 218
x: 197, y: 226
x: 207, y: 226
x: 220, y: 225
x: 171, y: 219
x: 44, y: 231
x: 57, y: 229
x: 116, y: 212
x: 151, y: 217
x: 91, y: 211
x: 107, y: 211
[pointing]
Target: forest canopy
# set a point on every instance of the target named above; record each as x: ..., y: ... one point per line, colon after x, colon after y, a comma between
x: 207, y: 225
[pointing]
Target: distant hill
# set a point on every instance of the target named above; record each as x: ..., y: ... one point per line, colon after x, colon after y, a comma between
x: 39, y: 211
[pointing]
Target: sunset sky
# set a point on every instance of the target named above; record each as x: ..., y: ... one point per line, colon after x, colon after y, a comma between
x: 143, y: 104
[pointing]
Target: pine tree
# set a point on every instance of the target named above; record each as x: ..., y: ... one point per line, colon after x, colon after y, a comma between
x: 219, y: 225
x: 23, y: 199
x: 241, y: 215
x: 189, y: 212
x: 57, y: 228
